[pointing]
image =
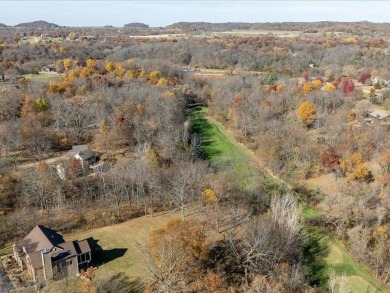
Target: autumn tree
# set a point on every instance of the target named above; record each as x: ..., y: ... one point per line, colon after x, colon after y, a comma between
x: 329, y: 87
x: 306, y: 113
x: 329, y: 159
x: 347, y: 86
x: 364, y: 76
x: 355, y: 168
x: 173, y: 255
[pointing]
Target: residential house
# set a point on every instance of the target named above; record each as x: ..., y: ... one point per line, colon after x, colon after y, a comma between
x: 46, y: 255
x: 49, y: 68
x: 85, y: 155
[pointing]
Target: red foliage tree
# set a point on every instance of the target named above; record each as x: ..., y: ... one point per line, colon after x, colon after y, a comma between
x: 348, y: 86
x: 330, y: 159
x: 364, y: 76
x: 305, y: 75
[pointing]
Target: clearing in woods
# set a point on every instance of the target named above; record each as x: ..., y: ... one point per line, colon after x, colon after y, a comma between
x: 219, y: 146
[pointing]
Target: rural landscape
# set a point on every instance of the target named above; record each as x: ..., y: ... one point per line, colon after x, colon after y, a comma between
x: 195, y: 157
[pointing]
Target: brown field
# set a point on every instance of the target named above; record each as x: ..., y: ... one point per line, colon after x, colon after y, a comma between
x: 166, y: 36
x: 283, y: 34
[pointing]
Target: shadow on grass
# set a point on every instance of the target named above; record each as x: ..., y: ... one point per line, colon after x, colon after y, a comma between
x: 101, y: 256
x: 315, y: 250
x: 120, y: 283
x: 209, y: 146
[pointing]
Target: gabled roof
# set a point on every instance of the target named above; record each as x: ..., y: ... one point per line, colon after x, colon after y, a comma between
x: 87, y: 154
x: 42, y: 237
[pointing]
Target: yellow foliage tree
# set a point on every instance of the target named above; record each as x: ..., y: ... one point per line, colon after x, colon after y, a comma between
x: 163, y: 81
x: 85, y: 72
x: 53, y: 87
x: 91, y: 63
x: 307, y: 87
x: 41, y: 105
x: 168, y: 94
x: 110, y: 66
x: 316, y: 84
x: 353, y: 166
x: 306, y: 112
x: 154, y: 75
x: 132, y: 73
x: 67, y: 63
x: 209, y: 196
x: 120, y: 70
x: 329, y: 87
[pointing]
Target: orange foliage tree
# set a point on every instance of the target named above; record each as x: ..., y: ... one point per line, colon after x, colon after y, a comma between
x: 173, y: 254
x: 306, y: 112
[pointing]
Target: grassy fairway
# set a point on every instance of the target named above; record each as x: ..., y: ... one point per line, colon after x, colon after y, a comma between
x: 222, y: 150
x: 325, y: 253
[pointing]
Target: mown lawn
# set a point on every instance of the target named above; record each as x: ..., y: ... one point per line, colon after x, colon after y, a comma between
x: 222, y: 151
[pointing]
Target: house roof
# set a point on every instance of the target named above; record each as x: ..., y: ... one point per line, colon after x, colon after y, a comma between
x: 87, y: 154
x: 379, y: 114
x: 82, y: 246
x: 42, y: 237
x: 36, y: 259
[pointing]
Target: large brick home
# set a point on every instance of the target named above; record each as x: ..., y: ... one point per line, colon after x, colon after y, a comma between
x: 45, y: 254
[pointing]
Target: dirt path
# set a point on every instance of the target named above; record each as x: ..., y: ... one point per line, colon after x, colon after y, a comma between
x: 49, y: 161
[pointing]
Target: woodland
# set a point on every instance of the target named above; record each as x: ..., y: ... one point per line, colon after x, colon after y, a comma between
x: 263, y: 144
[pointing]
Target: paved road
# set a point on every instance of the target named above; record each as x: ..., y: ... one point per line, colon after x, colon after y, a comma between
x: 5, y: 282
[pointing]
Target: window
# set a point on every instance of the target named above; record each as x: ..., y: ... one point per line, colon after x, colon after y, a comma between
x: 88, y: 257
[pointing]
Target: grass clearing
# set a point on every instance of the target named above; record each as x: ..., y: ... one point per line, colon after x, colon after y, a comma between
x: 357, y: 277
x: 41, y: 77
x: 221, y: 150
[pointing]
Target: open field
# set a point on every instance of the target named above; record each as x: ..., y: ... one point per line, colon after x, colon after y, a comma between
x: 166, y: 36
x: 220, y: 146
x: 42, y: 76
x: 283, y: 34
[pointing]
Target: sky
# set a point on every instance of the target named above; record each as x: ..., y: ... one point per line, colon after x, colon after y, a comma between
x: 162, y: 13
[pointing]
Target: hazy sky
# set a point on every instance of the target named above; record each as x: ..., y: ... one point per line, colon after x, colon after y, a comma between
x: 161, y: 13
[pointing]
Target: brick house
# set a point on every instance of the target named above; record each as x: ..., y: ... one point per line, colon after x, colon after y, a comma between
x: 46, y: 255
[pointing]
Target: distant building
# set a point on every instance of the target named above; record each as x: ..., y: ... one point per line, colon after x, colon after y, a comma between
x: 85, y: 155
x: 49, y: 68
x: 46, y: 255
x: 378, y: 117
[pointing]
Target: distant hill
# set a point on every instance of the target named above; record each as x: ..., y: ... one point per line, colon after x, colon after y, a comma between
x: 39, y: 24
x: 137, y: 25
x: 3, y: 25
